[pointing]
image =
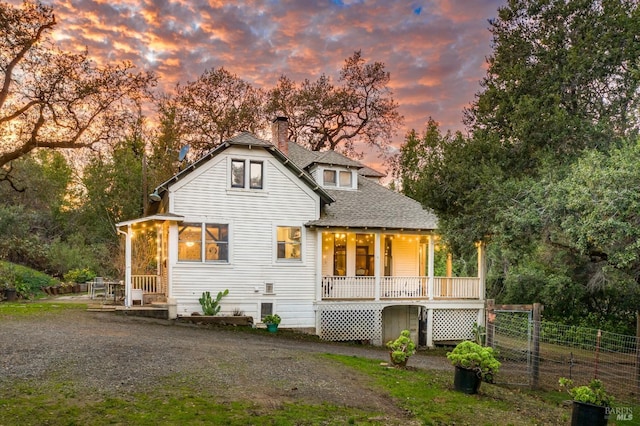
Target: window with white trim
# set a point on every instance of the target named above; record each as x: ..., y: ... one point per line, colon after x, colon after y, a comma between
x: 289, y: 242
x: 329, y: 178
x: 247, y: 174
x: 335, y: 178
x: 203, y: 242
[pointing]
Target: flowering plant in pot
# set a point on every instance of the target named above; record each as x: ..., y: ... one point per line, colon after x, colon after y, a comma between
x: 401, y: 349
x: 272, y: 321
x: 474, y: 364
x: 590, y: 402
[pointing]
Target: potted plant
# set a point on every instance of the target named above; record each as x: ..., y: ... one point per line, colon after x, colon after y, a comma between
x: 272, y: 321
x: 8, y: 282
x: 401, y: 349
x: 474, y: 364
x: 590, y: 402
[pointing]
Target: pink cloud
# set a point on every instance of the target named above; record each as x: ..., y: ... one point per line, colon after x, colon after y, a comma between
x: 434, y: 49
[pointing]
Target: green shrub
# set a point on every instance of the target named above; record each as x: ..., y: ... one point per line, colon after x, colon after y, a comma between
x: 472, y: 356
x: 25, y: 280
x: 79, y: 275
x: 593, y: 393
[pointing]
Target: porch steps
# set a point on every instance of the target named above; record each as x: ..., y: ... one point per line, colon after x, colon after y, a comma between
x: 158, y: 310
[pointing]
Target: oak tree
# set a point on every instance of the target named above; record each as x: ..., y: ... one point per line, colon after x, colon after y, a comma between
x: 50, y: 98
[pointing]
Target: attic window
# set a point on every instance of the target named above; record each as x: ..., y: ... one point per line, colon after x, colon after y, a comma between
x: 345, y: 179
x: 329, y: 178
x: 337, y: 178
x: 247, y: 174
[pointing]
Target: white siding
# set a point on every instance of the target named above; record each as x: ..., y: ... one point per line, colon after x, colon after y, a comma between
x: 205, y: 196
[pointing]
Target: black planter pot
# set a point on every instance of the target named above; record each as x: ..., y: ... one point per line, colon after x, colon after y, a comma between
x: 588, y: 414
x: 466, y: 381
x: 10, y: 294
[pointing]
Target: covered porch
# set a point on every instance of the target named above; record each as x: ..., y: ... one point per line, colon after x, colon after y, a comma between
x: 381, y: 265
x: 145, y: 257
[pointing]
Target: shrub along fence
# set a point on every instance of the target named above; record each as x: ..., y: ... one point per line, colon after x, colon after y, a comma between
x: 537, y: 353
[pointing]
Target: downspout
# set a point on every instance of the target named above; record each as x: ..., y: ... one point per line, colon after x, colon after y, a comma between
x: 127, y: 265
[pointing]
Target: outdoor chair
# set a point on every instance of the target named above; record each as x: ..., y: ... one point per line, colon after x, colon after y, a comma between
x: 98, y: 286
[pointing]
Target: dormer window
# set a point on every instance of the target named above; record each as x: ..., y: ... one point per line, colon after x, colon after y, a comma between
x: 329, y: 177
x: 345, y: 179
x: 336, y: 178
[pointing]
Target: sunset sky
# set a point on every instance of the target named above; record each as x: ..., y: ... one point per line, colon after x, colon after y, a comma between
x: 434, y: 50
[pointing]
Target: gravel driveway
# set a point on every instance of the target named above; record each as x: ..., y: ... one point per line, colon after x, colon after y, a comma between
x: 107, y: 354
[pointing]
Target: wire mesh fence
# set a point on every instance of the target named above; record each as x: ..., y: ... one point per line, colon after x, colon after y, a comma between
x: 538, y: 353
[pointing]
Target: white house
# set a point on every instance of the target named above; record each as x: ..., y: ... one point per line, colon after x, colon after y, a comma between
x: 311, y: 236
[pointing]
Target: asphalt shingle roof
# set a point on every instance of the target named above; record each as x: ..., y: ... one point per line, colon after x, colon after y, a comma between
x: 374, y: 206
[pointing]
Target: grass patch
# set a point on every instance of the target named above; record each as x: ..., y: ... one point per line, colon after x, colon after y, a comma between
x: 28, y: 309
x: 56, y: 403
x: 430, y: 398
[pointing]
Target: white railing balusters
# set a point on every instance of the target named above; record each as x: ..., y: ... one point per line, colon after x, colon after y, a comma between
x: 358, y: 287
x: 146, y: 283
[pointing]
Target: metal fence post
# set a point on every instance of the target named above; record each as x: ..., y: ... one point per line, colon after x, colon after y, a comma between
x: 535, y: 362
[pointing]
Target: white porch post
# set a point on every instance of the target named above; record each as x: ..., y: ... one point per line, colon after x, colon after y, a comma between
x: 376, y: 267
x: 482, y: 264
x: 430, y: 272
x: 319, y: 254
x: 127, y: 267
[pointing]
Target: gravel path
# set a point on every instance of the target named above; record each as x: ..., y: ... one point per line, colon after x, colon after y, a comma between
x: 105, y: 354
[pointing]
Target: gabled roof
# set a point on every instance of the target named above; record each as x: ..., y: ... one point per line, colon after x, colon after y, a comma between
x: 374, y: 206
x: 370, y: 206
x: 247, y: 139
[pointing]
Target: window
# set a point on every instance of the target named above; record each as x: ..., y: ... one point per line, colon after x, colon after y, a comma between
x: 268, y: 288
x: 237, y: 173
x: 190, y: 242
x: 289, y: 238
x: 345, y: 179
x: 364, y: 254
x: 216, y: 242
x: 241, y: 173
x: 329, y: 177
x: 266, y: 309
x: 337, y: 178
x: 255, y: 178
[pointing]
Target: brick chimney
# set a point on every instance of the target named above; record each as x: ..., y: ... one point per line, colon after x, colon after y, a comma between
x: 279, y: 134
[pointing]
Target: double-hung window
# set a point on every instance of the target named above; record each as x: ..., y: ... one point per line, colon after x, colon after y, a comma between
x: 203, y: 242
x: 289, y: 242
x: 247, y: 174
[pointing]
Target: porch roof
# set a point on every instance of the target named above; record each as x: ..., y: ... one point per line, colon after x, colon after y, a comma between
x: 374, y: 206
x: 159, y: 217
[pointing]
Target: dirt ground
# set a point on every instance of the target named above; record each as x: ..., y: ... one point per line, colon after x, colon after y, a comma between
x: 107, y: 354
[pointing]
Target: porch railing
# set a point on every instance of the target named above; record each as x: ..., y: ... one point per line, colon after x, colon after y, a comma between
x: 456, y: 288
x: 403, y: 287
x: 357, y: 287
x: 336, y: 287
x: 147, y: 283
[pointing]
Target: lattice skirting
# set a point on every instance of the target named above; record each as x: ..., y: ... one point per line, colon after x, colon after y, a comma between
x: 350, y: 322
x: 453, y: 324
x: 364, y: 322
